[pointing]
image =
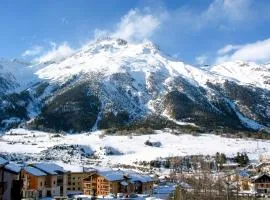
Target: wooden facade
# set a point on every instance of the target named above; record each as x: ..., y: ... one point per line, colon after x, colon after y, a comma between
x: 262, y: 184
x: 98, y: 184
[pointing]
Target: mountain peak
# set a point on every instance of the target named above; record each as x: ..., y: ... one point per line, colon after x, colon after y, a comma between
x: 125, y: 81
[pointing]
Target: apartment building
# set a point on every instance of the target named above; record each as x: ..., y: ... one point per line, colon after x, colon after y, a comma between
x: 113, y: 182
x: 44, y: 180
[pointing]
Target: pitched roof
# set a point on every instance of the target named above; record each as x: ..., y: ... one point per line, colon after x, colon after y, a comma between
x: 254, y: 178
x: 112, y: 175
x: 118, y: 175
x: 3, y: 161
x: 13, y: 168
x: 134, y: 176
x: 49, y: 168
x: 34, y: 171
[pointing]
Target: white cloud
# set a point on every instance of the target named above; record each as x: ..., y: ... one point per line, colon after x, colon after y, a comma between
x: 258, y: 51
x: 222, y: 15
x: 230, y: 10
x: 137, y: 25
x: 35, y: 50
x: 228, y: 48
x: 201, y: 59
x: 57, y: 52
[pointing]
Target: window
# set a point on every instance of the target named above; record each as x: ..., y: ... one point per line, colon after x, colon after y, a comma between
x: 54, y: 182
x: 68, y: 188
x: 79, y: 188
x: 74, y: 188
x: 40, y: 183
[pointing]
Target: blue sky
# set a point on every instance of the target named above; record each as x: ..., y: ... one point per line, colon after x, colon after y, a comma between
x: 195, y: 31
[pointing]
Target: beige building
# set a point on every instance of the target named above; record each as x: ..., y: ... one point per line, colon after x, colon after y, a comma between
x: 75, y: 180
x: 44, y: 180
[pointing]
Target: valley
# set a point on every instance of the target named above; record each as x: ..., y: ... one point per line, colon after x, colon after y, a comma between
x: 96, y: 148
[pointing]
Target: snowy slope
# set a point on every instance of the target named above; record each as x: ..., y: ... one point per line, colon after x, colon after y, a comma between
x: 19, y: 73
x: 24, y: 143
x: 245, y: 72
x: 112, y: 56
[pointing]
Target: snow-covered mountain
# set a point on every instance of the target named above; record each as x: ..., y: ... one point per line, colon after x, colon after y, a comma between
x: 15, y: 75
x: 113, y: 83
x: 245, y: 73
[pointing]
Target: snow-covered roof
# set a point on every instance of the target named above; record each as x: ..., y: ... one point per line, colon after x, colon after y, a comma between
x: 259, y: 176
x: 13, y: 168
x: 118, y: 175
x: 262, y: 164
x: 49, y: 168
x: 134, y: 176
x: 3, y: 161
x: 34, y: 171
x: 76, y: 168
x: 112, y: 175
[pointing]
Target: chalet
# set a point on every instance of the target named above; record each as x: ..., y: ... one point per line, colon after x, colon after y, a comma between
x: 43, y: 180
x: 261, y: 183
x: 113, y: 182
